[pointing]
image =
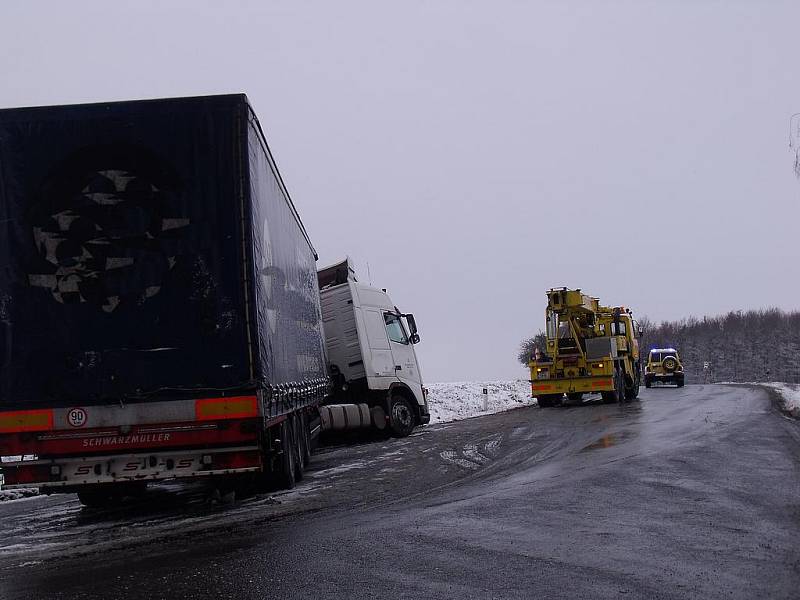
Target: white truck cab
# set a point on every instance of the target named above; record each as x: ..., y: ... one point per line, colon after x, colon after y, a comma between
x: 370, y: 347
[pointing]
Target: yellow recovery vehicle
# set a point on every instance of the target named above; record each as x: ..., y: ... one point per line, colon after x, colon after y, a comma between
x: 590, y: 348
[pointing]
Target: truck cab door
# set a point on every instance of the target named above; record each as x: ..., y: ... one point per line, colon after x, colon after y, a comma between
x: 381, y: 362
x: 406, y: 368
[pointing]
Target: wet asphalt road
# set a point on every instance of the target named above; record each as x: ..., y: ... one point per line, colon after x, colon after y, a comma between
x: 691, y: 493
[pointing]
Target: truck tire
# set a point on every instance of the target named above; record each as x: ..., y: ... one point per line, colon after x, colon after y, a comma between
x: 548, y: 400
x: 680, y: 383
x: 98, y: 498
x: 111, y: 494
x: 575, y: 396
x: 401, y: 417
x: 287, y: 470
x: 297, y: 444
x: 647, y: 383
x: 618, y: 395
x: 631, y: 393
x: 305, y: 439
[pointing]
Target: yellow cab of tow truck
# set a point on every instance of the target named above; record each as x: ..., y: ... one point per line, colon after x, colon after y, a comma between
x: 590, y: 348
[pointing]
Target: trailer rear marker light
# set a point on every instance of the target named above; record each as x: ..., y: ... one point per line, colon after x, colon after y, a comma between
x: 26, y: 420
x: 235, y: 407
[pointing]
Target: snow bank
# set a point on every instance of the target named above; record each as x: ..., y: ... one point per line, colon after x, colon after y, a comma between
x: 15, y: 494
x: 18, y: 494
x: 790, y: 393
x: 462, y: 400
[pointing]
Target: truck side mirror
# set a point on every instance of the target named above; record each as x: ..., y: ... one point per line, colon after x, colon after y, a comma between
x: 414, y: 338
x: 412, y: 325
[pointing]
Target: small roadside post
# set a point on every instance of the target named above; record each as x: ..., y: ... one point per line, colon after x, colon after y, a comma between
x: 485, y: 399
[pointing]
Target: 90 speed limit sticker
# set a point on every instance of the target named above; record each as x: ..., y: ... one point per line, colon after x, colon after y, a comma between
x: 76, y: 417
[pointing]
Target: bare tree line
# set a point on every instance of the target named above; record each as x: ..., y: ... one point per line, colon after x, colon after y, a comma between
x: 756, y: 345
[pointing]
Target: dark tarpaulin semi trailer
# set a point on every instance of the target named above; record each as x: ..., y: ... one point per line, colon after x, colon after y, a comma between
x: 149, y: 250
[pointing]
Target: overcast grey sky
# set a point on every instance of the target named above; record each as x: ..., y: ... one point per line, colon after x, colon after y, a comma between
x: 478, y: 153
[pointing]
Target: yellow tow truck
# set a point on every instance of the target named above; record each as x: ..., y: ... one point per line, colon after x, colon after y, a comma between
x: 590, y: 348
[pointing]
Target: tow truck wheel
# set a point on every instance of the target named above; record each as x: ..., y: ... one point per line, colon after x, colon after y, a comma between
x: 548, y: 400
x: 618, y: 394
x: 633, y: 392
x: 287, y: 469
x: 401, y: 417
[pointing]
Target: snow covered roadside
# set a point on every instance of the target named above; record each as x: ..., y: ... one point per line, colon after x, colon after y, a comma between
x: 462, y: 400
x: 15, y: 494
x: 790, y: 394
x: 6, y: 495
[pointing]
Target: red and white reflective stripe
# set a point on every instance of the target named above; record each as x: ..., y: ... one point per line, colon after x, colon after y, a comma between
x: 79, y: 418
x: 26, y: 420
x: 602, y: 383
x: 236, y: 407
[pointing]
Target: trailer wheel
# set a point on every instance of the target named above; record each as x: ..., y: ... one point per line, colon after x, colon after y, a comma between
x: 401, y: 417
x: 111, y: 494
x: 297, y: 444
x: 287, y: 471
x: 97, y: 498
x: 305, y: 439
